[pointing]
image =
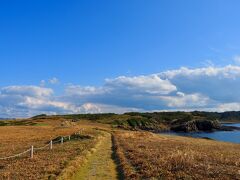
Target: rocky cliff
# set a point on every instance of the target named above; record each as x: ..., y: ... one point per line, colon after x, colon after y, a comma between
x: 197, y: 125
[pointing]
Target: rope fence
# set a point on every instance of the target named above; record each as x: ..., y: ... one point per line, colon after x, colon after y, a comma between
x: 16, y: 155
x: 49, y: 146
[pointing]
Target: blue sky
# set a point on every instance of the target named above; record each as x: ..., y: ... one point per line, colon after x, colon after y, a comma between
x: 88, y: 56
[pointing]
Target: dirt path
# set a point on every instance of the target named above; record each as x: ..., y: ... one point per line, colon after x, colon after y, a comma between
x: 100, y: 165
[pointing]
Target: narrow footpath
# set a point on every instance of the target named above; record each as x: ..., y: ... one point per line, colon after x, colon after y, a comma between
x: 101, y: 164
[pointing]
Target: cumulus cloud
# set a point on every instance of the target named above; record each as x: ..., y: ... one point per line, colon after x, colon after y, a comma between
x: 84, y: 90
x: 151, y: 84
x: 195, y: 88
x: 26, y: 101
x: 32, y: 91
x: 185, y: 101
x: 228, y: 107
x: 54, y: 80
x: 209, y: 88
x: 218, y: 83
x: 137, y: 92
x: 104, y: 108
x: 18, y: 101
x: 229, y: 72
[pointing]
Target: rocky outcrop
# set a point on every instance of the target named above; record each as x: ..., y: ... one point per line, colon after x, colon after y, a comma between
x: 197, y: 125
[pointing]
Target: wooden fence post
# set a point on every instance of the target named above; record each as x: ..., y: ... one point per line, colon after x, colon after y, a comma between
x: 51, y: 144
x: 62, y: 140
x: 31, y: 152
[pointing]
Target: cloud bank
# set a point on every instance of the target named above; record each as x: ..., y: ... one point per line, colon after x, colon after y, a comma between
x: 209, y: 88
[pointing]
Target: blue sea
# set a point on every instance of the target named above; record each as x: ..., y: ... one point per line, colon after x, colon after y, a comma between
x: 227, y: 136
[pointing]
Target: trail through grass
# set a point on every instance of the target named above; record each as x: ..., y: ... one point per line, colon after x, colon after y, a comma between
x: 100, y: 165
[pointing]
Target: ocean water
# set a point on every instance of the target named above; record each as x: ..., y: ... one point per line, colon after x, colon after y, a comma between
x: 227, y: 136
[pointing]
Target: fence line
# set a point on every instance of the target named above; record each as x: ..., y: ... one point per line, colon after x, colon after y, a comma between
x: 16, y: 155
x: 31, y: 150
x: 43, y: 147
x: 55, y: 142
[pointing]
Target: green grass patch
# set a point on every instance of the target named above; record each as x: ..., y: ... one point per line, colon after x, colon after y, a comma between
x: 40, y: 124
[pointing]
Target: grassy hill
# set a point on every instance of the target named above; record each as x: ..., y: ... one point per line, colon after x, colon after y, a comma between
x: 124, y: 153
x: 156, y: 121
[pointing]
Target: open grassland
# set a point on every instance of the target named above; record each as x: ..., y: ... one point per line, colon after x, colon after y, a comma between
x: 140, y: 154
x: 46, y: 163
x: 146, y: 155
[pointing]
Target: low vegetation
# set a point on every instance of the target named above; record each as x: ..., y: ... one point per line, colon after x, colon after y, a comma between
x: 146, y: 155
x: 157, y: 121
x: 46, y: 163
x: 139, y: 154
x: 17, y: 123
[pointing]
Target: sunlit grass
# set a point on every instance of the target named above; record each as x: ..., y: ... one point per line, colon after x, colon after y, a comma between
x: 144, y: 155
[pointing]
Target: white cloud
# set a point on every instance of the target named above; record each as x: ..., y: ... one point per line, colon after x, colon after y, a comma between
x: 26, y: 101
x: 32, y: 91
x: 186, y: 101
x: 42, y: 83
x: 84, y: 90
x: 184, y: 88
x: 181, y: 94
x: 20, y: 101
x: 135, y: 92
x: 236, y: 59
x: 218, y: 83
x: 103, y: 108
x: 209, y: 88
x: 234, y: 106
x: 229, y: 72
x: 54, y: 80
x: 151, y: 84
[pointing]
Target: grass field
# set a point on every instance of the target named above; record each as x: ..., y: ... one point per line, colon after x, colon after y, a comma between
x: 46, y: 163
x: 145, y: 155
x: 135, y: 154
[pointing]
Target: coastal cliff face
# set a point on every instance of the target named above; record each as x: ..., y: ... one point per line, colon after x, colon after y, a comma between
x: 197, y: 125
x: 176, y: 125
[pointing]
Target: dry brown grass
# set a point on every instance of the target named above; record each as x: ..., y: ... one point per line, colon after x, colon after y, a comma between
x: 142, y: 155
x: 46, y: 163
x: 146, y: 155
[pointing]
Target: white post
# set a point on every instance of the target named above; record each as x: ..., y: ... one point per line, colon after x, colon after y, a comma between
x: 69, y: 137
x: 62, y: 140
x: 31, y: 152
x: 51, y: 144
